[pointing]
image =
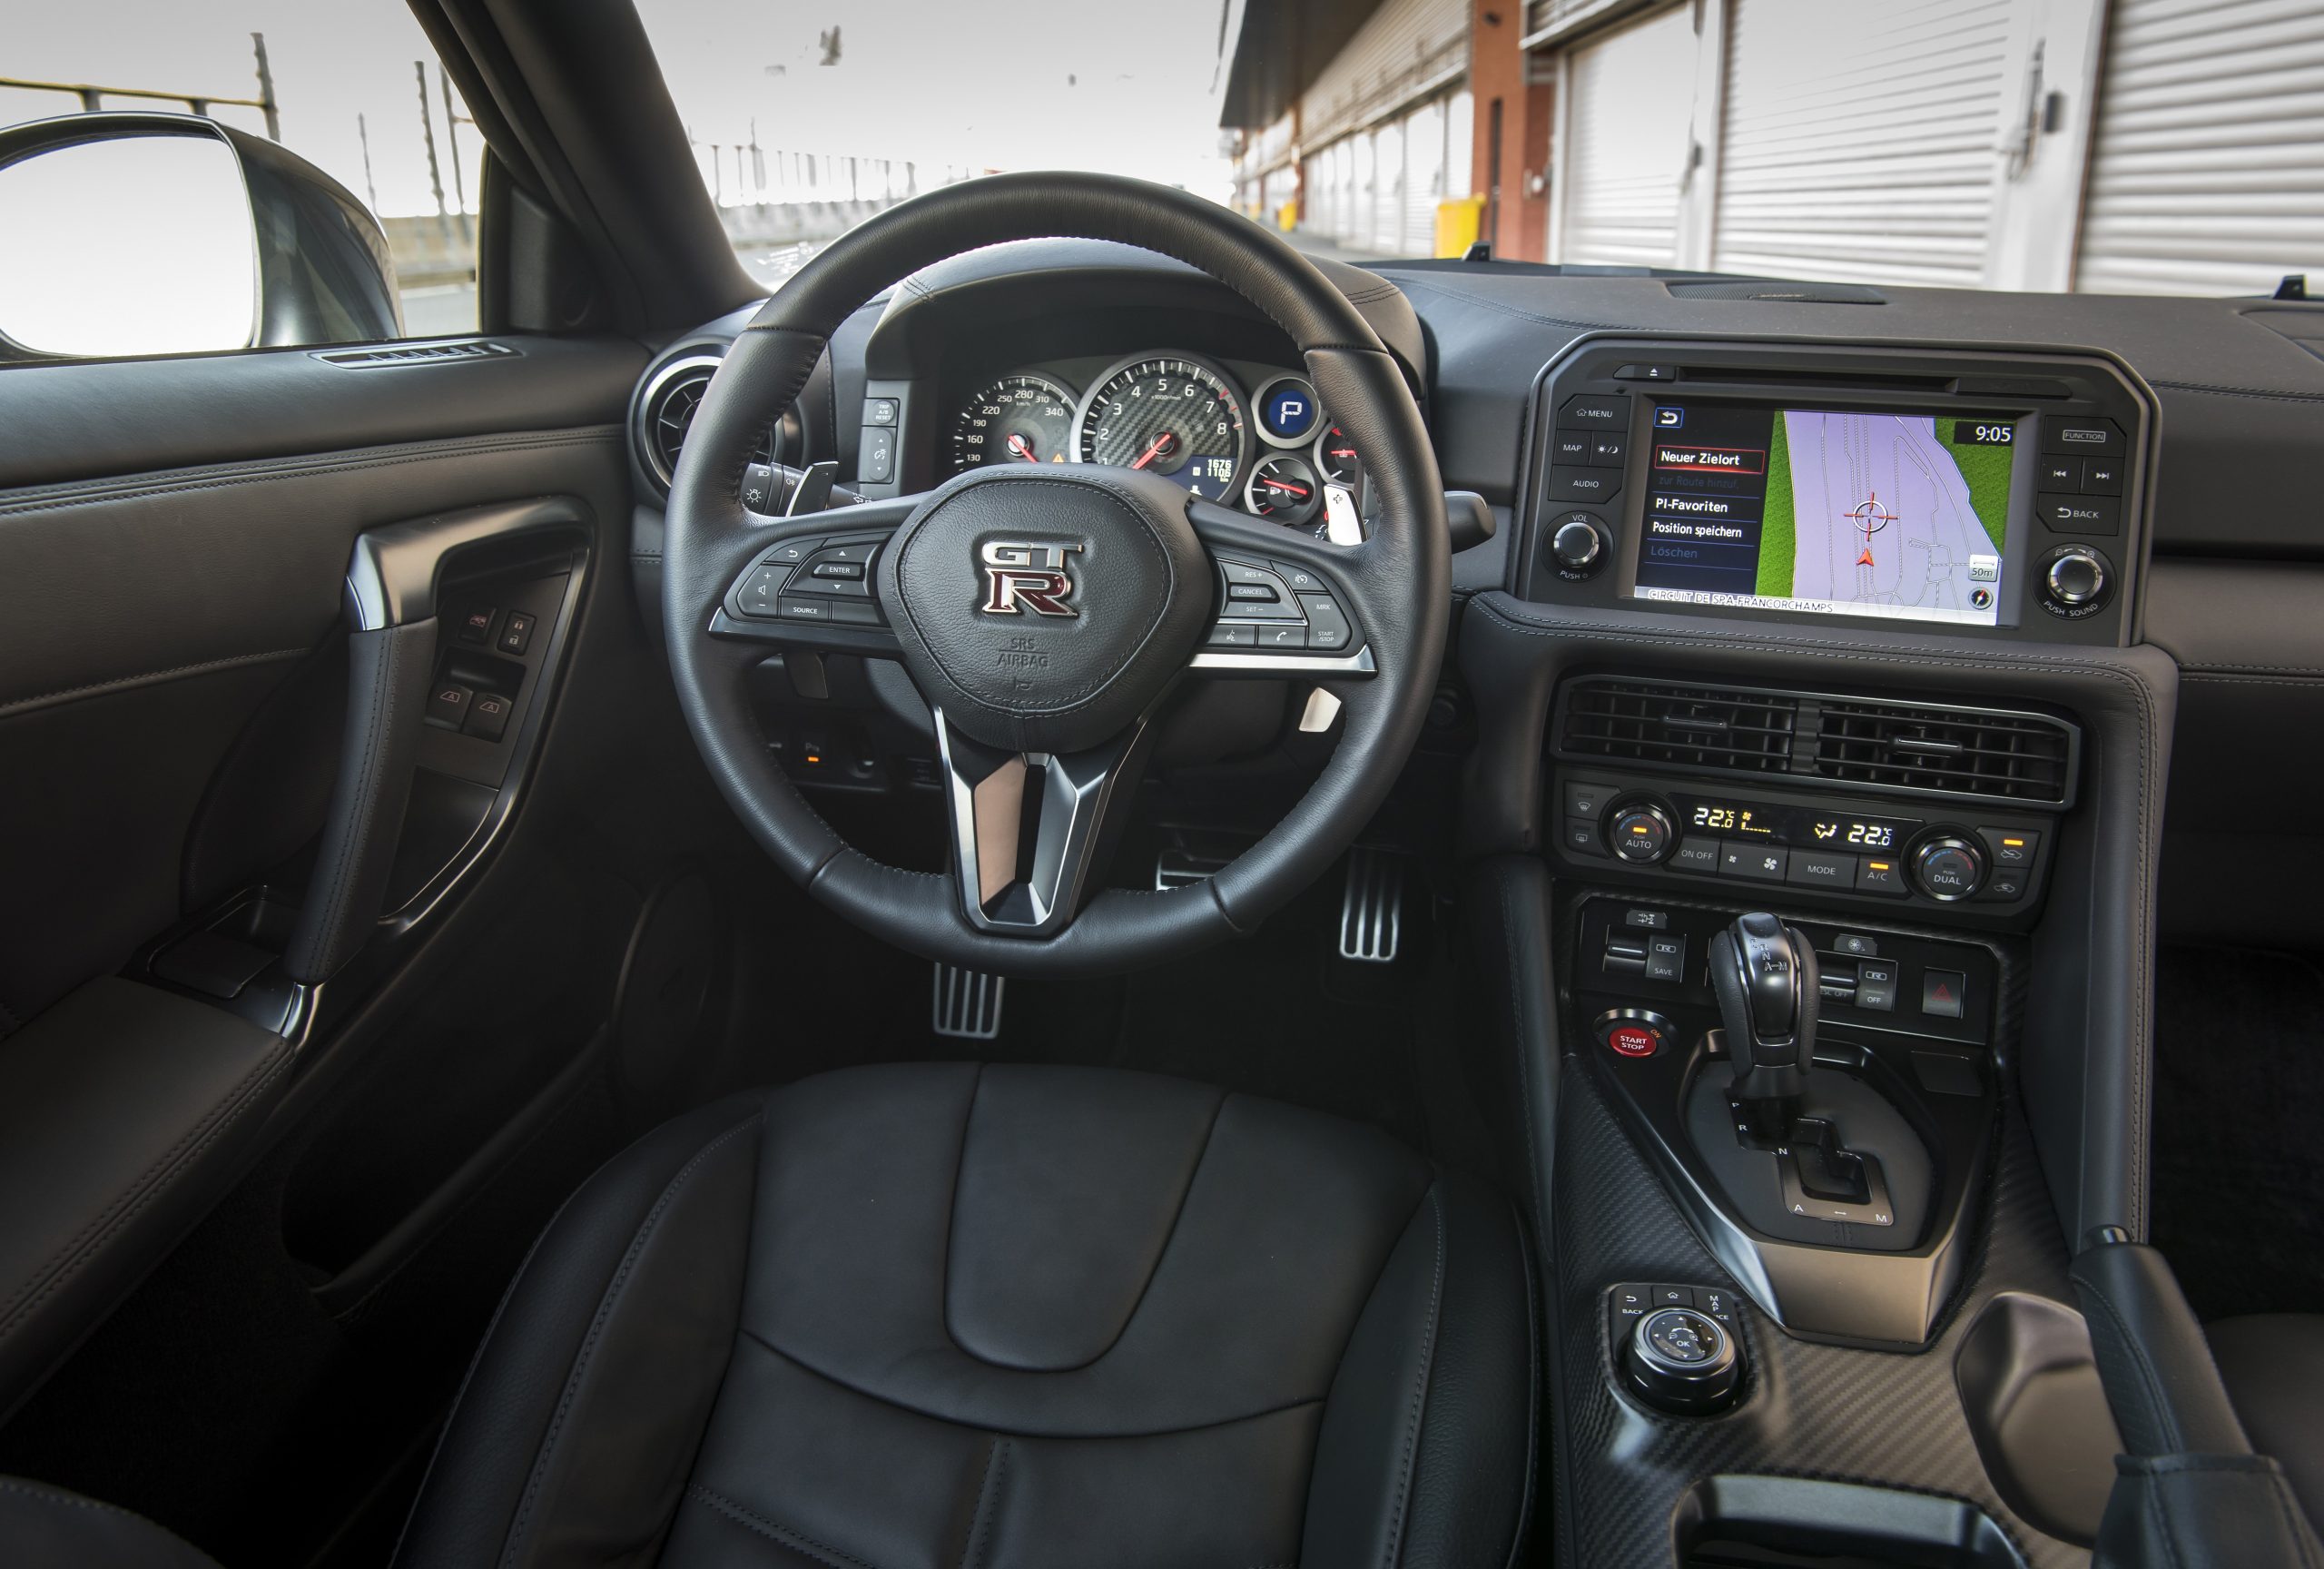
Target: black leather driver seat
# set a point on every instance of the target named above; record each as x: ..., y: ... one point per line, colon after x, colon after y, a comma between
x: 949, y: 1316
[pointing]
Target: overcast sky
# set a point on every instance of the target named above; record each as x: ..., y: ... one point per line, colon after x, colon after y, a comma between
x: 1032, y: 83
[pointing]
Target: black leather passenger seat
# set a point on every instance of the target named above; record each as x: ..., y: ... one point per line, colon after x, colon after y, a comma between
x: 1005, y: 1317
x: 2273, y: 1366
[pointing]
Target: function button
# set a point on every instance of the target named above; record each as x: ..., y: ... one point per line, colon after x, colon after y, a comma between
x: 1760, y: 862
x: 758, y: 595
x: 1570, y: 448
x: 1648, y: 920
x: 2060, y: 475
x: 1875, y: 984
x: 475, y: 626
x: 1881, y: 874
x: 2096, y: 515
x: 1646, y: 373
x: 2011, y: 846
x: 1596, y: 410
x: 2084, y: 438
x: 1818, y: 868
x: 1696, y: 855
x: 1234, y: 635
x: 1674, y: 1296
x: 1610, y: 452
x: 447, y: 704
x: 876, y: 463
x: 760, y: 492
x: 1585, y: 484
x: 2007, y: 883
x: 1666, y: 957
x: 1302, y: 581
x: 1284, y: 637
x: 1580, y: 837
x: 1587, y: 800
x: 1856, y: 945
x: 516, y: 633
x: 1327, y: 624
x: 2102, y: 476
x: 1941, y: 991
x: 489, y: 716
x: 879, y: 411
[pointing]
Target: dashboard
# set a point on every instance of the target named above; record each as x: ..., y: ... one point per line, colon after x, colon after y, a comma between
x: 1243, y: 434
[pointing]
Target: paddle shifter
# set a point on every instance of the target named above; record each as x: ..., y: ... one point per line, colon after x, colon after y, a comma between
x: 1764, y: 975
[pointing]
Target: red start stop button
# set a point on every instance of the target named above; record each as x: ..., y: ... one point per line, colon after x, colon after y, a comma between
x: 1635, y: 1039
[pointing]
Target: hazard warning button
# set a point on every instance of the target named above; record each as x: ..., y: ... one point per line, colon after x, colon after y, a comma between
x: 1941, y: 992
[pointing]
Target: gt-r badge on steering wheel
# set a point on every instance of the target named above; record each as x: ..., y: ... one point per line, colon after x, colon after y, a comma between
x: 1019, y: 576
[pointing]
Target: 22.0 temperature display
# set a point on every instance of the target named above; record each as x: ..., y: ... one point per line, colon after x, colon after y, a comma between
x: 1800, y: 825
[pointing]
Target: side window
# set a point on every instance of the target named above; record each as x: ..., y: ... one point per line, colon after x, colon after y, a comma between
x: 173, y: 183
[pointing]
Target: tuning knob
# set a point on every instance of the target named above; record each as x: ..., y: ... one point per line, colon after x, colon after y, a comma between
x: 1948, y: 867
x: 2075, y: 579
x: 1579, y: 547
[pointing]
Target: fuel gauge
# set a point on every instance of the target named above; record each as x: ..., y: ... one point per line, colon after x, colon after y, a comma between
x: 1283, y: 490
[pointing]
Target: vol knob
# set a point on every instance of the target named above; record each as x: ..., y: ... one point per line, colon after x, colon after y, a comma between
x: 1578, y: 545
x: 2075, y: 577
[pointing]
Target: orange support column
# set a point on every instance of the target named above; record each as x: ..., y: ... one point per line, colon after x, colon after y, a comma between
x: 1513, y: 133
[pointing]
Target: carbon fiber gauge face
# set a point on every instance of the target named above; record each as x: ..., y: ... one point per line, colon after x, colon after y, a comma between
x: 1171, y: 415
x: 1017, y: 419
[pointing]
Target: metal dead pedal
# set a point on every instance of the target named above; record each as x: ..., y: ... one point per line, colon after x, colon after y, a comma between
x: 1372, y: 910
x: 967, y: 1004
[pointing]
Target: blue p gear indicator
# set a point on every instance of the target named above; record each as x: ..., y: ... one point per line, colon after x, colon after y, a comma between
x: 1288, y: 411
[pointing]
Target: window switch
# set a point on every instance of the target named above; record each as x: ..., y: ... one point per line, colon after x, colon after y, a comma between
x: 488, y: 715
x: 447, y: 704
x: 475, y: 626
x: 517, y: 633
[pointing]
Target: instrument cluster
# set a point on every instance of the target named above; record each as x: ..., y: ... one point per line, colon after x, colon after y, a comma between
x: 1275, y: 453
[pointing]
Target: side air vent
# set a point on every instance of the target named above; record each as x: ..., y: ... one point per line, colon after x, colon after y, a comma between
x: 1964, y: 751
x: 667, y: 410
x: 1688, y: 726
x: 1904, y: 748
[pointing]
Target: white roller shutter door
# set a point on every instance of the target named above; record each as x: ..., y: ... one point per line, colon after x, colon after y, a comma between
x: 2207, y: 168
x: 1460, y: 144
x: 1863, y: 142
x: 1423, y: 179
x: 1629, y: 96
x: 1388, y: 214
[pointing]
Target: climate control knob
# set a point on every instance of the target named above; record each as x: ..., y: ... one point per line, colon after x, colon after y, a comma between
x: 1578, y: 545
x: 1640, y: 832
x: 1948, y: 867
x: 2076, y: 578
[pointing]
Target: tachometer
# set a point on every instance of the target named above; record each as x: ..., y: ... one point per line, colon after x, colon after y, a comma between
x: 1167, y: 414
x: 1019, y: 419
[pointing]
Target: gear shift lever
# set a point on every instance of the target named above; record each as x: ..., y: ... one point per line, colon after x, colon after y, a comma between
x: 1765, y: 977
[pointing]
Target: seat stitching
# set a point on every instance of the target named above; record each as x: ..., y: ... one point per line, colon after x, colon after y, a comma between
x: 952, y: 1209
x: 838, y: 1383
x: 775, y: 1530
x: 996, y: 1466
x: 605, y: 1305
x: 1394, y: 1543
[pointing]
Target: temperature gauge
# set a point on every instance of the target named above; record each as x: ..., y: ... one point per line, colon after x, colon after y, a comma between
x: 1283, y: 490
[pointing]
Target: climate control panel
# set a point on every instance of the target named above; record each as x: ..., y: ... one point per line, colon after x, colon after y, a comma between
x: 1933, y: 855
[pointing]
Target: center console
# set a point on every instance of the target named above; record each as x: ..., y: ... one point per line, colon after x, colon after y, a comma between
x: 1817, y: 772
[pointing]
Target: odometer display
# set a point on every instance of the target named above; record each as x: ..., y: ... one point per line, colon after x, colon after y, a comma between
x: 1171, y: 415
x: 1017, y: 419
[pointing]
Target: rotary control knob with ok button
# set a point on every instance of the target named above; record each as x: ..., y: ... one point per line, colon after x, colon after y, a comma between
x: 1948, y: 867
x: 1682, y: 1361
x: 1640, y: 830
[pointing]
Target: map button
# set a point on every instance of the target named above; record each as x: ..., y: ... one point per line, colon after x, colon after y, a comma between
x: 2085, y: 515
x: 1571, y: 447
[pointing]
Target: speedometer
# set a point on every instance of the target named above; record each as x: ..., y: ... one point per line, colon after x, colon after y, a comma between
x: 1017, y: 419
x: 1167, y: 414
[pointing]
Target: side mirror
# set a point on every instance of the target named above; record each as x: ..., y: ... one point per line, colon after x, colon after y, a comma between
x: 145, y: 233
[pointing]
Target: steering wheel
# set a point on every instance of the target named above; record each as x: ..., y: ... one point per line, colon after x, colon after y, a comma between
x: 1046, y: 613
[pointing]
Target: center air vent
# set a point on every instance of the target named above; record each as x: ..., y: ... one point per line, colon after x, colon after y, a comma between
x: 2005, y: 756
x: 1691, y: 726
x: 1913, y: 748
x: 667, y: 413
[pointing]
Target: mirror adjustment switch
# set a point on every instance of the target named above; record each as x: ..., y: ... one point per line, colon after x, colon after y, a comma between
x: 475, y: 626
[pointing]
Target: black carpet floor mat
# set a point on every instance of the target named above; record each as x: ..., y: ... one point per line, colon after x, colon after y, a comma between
x: 2239, y: 1128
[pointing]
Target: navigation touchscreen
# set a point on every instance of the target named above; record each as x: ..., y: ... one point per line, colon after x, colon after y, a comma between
x: 1902, y: 516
